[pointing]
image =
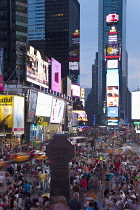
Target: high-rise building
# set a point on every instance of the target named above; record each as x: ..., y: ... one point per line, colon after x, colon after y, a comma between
x: 13, y: 37
x: 62, y: 35
x: 112, y: 61
x: 36, y: 24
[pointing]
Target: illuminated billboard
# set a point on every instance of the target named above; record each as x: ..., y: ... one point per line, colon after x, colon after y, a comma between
x: 82, y: 116
x: 113, y: 122
x: 112, y: 111
x: 112, y: 51
x: 112, y: 18
x: 112, y: 96
x: 135, y: 105
x: 57, y: 111
x: 18, y: 117
x: 44, y: 105
x: 32, y: 106
x: 112, y: 77
x: 76, y: 92
x: 12, y: 114
x: 112, y: 38
x: 82, y: 93
x: 112, y: 64
x: 56, y: 75
x: 36, y: 68
x: 74, y: 66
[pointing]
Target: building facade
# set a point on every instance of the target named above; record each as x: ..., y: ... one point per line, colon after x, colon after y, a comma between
x: 112, y: 60
x: 36, y: 24
x: 13, y: 37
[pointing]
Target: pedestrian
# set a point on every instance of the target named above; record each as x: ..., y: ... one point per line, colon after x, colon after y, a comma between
x: 74, y: 203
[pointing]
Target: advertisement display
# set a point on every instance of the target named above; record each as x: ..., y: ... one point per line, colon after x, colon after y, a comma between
x: 44, y: 105
x: 112, y: 96
x: 76, y: 92
x: 68, y: 86
x: 112, y: 64
x: 112, y: 77
x: 112, y: 39
x: 6, y: 113
x: 82, y: 116
x: 55, y: 75
x: 37, y: 68
x: 112, y: 111
x: 113, y: 122
x: 112, y: 18
x: 57, y: 111
x: 135, y: 105
x: 32, y: 106
x: 112, y: 51
x: 1, y: 83
x: 73, y: 66
x: 18, y: 118
x: 82, y: 93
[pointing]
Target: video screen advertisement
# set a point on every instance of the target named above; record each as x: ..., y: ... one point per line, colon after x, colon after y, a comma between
x: 112, y: 19
x: 44, y: 105
x: 82, y: 116
x: 113, y: 122
x: 112, y: 81
x: 135, y: 105
x: 12, y: 114
x: 36, y: 68
x: 32, y: 106
x: 57, y: 111
x: 55, y: 75
x: 18, y: 118
x: 113, y: 51
x: 76, y: 90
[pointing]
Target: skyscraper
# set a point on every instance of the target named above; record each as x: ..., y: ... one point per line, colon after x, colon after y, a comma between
x: 37, y: 24
x: 112, y: 61
x: 13, y: 37
x: 62, y: 35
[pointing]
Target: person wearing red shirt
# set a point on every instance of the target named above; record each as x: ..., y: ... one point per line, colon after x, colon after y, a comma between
x: 83, y: 185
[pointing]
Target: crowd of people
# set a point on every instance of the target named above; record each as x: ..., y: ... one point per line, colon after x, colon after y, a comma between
x: 110, y: 182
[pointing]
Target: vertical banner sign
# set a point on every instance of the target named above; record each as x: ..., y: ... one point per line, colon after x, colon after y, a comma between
x: 18, y: 117
x: 32, y: 106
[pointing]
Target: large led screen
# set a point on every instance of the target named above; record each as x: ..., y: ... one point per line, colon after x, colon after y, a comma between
x: 76, y: 92
x: 112, y: 64
x: 135, y: 105
x: 57, y: 111
x: 112, y: 77
x: 32, y: 106
x: 18, y: 118
x: 56, y: 76
x: 112, y: 96
x: 113, y: 122
x: 112, y: 18
x: 112, y: 111
x: 44, y: 105
x: 112, y: 51
x: 36, y: 68
x: 82, y: 116
x: 112, y: 38
x: 74, y: 66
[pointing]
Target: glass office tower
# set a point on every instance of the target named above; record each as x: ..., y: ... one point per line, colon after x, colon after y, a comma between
x: 63, y: 35
x: 36, y: 24
x: 112, y: 59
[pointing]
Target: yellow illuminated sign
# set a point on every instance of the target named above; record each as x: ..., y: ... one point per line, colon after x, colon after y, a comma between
x: 6, y: 113
x: 41, y: 122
